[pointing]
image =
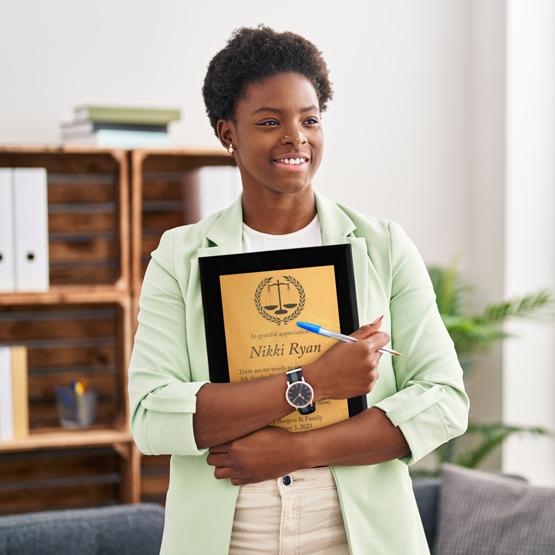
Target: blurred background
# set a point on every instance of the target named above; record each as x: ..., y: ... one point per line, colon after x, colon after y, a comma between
x: 443, y: 119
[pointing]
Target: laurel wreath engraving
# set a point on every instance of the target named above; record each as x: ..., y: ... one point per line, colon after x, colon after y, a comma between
x: 275, y: 319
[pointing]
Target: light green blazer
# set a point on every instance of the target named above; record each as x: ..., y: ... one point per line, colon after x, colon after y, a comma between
x: 421, y: 392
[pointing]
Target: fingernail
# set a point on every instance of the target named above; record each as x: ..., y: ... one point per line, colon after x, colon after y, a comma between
x: 377, y: 320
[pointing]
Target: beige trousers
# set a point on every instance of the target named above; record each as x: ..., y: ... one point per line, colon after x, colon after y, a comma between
x: 298, y: 514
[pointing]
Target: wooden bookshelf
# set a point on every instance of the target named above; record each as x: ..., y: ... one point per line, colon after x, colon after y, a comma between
x: 107, y: 211
x: 80, y: 328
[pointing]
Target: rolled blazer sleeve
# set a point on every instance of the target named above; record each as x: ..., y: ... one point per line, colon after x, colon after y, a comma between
x: 430, y: 406
x: 162, y: 397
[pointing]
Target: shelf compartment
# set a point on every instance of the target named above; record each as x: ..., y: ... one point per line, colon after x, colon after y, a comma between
x: 87, y: 341
x: 164, y: 194
x: 60, y: 479
x: 88, y: 213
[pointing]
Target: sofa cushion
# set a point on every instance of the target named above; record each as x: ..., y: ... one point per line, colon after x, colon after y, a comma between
x: 482, y: 513
x: 114, y: 530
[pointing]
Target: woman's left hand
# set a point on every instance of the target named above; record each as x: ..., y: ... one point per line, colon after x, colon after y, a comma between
x: 262, y: 455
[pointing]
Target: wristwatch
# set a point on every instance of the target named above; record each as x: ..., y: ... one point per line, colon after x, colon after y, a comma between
x: 299, y: 394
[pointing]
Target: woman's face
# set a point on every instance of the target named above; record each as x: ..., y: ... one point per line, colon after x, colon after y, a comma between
x: 277, y: 122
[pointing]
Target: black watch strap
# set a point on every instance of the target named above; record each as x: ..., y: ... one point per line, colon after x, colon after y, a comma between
x: 296, y: 375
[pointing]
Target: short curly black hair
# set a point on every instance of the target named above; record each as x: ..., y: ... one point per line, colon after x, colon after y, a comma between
x: 252, y: 54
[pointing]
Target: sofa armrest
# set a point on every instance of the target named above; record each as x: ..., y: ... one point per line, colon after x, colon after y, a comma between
x: 114, y: 530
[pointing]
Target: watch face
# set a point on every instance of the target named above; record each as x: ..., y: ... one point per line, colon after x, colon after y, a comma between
x: 300, y: 394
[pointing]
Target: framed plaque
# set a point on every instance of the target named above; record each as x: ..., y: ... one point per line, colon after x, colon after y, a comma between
x: 251, y: 304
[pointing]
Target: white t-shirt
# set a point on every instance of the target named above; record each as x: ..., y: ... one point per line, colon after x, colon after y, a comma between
x: 308, y: 236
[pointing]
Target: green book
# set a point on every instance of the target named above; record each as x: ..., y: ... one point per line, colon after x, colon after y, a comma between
x: 123, y: 114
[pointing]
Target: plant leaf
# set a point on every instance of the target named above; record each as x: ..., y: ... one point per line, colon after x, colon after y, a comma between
x: 491, y: 436
x: 519, y: 307
x: 449, y: 287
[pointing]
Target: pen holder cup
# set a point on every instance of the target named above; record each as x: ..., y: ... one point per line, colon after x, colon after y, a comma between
x: 75, y: 411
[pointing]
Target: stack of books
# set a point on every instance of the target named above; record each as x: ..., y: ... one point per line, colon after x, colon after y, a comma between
x: 119, y: 126
x: 14, y: 410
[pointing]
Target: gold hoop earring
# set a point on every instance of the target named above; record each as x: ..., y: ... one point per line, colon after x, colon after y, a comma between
x: 230, y: 149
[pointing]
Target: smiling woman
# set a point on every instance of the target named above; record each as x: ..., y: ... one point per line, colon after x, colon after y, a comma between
x: 264, y: 95
x: 238, y: 484
x: 276, y: 137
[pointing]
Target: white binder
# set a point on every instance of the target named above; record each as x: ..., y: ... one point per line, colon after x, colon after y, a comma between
x: 6, y: 402
x: 219, y: 186
x: 7, y: 254
x: 31, y: 229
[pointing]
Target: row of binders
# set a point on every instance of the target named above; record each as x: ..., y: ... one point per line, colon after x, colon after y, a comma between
x: 23, y: 230
x: 14, y: 408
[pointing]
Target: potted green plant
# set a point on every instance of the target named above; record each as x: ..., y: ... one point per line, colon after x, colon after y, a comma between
x: 472, y: 336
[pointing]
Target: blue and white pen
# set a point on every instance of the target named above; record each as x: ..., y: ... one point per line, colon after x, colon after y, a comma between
x: 339, y: 336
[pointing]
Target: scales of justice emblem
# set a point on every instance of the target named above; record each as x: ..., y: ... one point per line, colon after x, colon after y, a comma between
x: 279, y: 301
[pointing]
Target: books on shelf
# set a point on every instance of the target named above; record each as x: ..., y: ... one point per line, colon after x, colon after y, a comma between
x: 116, y: 138
x: 119, y: 126
x: 24, y: 260
x: 14, y: 402
x: 126, y: 114
x: 87, y: 127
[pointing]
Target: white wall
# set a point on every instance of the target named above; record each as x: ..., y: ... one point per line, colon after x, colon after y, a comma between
x: 396, y: 132
x: 485, y: 217
x: 529, y: 361
x: 511, y: 226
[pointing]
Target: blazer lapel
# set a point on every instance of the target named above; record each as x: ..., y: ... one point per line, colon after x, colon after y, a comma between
x: 224, y: 236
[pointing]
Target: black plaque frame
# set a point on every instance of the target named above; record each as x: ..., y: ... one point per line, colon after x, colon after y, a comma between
x: 212, y: 267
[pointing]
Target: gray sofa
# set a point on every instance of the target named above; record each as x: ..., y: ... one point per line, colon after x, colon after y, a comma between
x: 114, y: 530
x: 127, y: 529
x: 465, y: 513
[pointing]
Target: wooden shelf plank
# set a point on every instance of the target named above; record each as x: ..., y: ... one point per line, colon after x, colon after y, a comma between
x: 54, y: 148
x: 66, y: 438
x: 66, y: 294
x: 174, y: 150
x: 182, y: 151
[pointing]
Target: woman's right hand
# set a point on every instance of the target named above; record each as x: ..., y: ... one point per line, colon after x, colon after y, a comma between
x: 348, y: 369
